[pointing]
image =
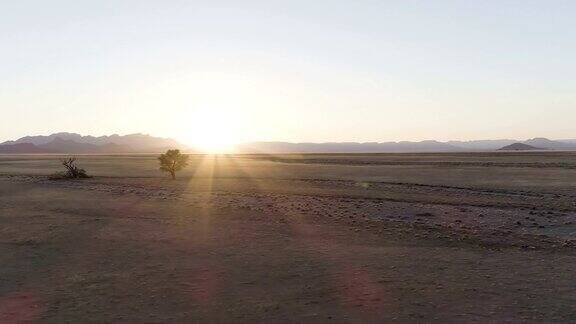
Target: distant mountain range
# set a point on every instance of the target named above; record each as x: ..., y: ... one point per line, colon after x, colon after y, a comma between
x: 70, y: 143
x: 402, y: 147
x: 346, y: 147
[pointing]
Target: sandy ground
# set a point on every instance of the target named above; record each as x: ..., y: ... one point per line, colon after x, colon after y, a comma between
x: 254, y: 240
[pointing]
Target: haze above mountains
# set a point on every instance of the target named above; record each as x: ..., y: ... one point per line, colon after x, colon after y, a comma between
x: 70, y: 143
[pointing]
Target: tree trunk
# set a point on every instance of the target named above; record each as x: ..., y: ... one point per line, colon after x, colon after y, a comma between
x: 173, y: 174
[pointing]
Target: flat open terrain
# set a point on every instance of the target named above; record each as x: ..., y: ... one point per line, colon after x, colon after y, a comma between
x: 483, y: 237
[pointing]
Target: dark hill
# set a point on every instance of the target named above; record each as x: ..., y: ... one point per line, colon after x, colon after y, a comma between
x: 519, y: 147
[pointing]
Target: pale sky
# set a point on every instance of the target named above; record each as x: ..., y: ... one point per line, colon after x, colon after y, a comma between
x: 293, y: 70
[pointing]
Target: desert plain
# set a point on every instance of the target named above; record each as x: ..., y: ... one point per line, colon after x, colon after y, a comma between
x: 336, y: 238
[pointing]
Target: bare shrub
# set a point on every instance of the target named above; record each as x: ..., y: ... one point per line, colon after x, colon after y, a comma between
x: 72, y: 170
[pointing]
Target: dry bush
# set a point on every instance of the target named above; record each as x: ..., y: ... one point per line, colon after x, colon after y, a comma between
x: 72, y: 170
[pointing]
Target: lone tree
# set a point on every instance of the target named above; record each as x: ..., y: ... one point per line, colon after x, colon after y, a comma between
x: 173, y: 161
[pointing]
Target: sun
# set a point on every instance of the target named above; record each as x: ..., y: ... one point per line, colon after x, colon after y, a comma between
x: 212, y: 132
x: 214, y: 144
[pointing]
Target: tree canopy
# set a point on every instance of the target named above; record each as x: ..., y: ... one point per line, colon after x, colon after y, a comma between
x: 173, y: 161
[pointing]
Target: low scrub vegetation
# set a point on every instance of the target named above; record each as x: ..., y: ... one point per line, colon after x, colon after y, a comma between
x: 72, y: 170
